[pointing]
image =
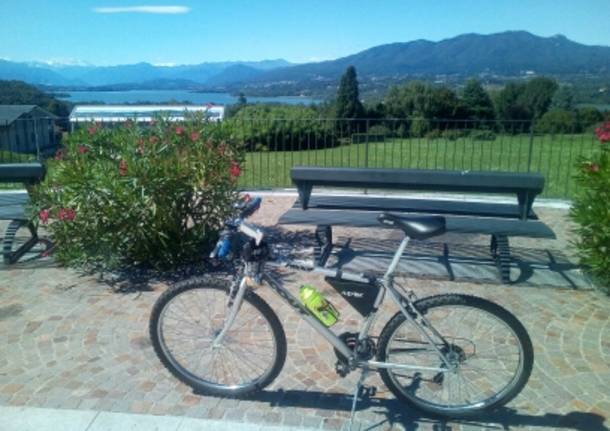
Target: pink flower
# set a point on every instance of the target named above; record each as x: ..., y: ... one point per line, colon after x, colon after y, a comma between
x: 66, y: 214
x: 59, y: 155
x: 92, y: 130
x: 123, y: 168
x: 194, y: 136
x: 82, y: 149
x: 153, y: 139
x: 43, y: 215
x: 179, y: 130
x: 594, y: 167
x: 235, y: 170
x: 603, y: 132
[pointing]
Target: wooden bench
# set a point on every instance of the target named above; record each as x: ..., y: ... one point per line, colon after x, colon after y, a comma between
x: 13, y: 204
x: 500, y: 221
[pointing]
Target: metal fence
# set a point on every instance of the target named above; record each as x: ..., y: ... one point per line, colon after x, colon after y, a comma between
x: 274, y: 146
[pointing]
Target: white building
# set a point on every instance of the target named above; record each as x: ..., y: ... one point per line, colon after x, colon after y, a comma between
x: 141, y: 113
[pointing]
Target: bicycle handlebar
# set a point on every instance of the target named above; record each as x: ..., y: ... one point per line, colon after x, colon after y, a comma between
x: 250, y: 207
x: 223, y: 246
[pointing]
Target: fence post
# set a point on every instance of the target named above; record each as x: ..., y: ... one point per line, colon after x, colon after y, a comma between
x: 366, y: 145
x: 531, y: 147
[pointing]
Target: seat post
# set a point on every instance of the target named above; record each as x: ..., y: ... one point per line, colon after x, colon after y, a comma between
x: 396, y: 258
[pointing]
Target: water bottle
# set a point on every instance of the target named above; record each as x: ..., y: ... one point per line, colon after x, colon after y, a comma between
x: 324, y: 311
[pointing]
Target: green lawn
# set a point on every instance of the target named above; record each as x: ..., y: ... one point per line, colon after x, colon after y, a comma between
x: 553, y: 156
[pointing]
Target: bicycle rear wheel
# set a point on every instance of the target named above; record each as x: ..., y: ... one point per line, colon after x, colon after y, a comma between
x: 187, y: 318
x: 490, y: 349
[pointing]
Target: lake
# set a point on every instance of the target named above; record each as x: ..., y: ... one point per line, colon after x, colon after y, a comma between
x: 162, y: 96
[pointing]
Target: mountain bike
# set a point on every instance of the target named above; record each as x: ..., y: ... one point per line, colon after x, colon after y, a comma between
x: 448, y: 355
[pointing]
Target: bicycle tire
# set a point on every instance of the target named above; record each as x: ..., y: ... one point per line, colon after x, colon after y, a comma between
x: 200, y: 385
x: 425, y: 306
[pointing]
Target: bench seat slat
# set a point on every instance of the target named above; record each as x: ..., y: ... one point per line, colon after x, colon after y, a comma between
x: 473, y: 225
x: 12, y: 205
x: 424, y: 206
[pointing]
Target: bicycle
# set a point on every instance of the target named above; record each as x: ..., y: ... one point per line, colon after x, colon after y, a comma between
x: 449, y: 355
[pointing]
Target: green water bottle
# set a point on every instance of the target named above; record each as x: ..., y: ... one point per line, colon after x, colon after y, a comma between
x: 318, y: 305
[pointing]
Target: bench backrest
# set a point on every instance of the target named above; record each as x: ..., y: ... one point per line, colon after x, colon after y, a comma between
x: 525, y: 185
x: 420, y: 179
x: 27, y: 173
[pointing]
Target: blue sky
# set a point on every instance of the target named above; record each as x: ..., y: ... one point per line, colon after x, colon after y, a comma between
x: 193, y: 31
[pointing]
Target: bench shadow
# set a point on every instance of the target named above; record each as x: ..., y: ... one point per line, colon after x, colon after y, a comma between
x: 390, y: 412
x: 451, y: 261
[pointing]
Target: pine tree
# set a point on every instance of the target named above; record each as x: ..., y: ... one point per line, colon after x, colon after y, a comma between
x: 348, y: 102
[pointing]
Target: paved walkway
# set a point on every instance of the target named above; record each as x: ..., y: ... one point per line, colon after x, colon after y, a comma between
x: 69, y: 342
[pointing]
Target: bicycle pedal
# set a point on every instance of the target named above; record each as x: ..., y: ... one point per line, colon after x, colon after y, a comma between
x: 368, y: 391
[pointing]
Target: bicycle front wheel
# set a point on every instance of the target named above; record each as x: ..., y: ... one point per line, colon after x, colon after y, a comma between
x: 488, y: 350
x: 187, y: 318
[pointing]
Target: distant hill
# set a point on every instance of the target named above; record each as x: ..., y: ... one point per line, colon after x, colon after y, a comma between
x: 508, y: 54
x: 95, y: 76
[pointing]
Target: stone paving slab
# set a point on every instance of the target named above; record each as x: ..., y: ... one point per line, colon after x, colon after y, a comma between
x: 70, y: 342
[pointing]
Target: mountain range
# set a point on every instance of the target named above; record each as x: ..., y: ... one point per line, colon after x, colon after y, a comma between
x: 507, y: 54
x: 138, y: 74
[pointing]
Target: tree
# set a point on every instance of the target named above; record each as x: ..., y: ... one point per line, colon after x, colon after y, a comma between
x: 241, y: 100
x: 348, y: 103
x: 538, y: 94
x: 563, y: 99
x: 477, y: 102
x: 509, y: 105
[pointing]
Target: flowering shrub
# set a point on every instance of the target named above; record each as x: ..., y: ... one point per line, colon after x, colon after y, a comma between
x: 591, y: 210
x: 139, y: 196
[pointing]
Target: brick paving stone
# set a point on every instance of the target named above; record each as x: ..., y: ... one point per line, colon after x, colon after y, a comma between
x: 70, y: 342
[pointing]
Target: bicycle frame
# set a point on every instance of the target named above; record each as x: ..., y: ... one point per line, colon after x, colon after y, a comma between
x: 386, y: 284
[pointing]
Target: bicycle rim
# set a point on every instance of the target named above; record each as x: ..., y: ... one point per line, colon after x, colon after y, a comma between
x: 188, y: 325
x: 491, y: 362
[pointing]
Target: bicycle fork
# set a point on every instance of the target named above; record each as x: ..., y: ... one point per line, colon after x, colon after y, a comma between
x: 233, y: 305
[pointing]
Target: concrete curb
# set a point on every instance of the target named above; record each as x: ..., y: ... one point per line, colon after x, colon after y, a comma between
x: 40, y: 419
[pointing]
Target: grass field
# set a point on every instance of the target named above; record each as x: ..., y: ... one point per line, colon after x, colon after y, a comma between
x: 553, y: 156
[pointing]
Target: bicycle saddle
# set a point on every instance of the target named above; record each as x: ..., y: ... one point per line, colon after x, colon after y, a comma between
x: 413, y: 226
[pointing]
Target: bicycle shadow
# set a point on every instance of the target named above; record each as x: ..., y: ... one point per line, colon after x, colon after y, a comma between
x: 378, y: 413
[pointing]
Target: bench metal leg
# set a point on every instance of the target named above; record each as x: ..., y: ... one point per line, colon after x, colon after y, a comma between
x: 324, y: 244
x: 445, y: 261
x: 500, y: 251
x: 10, y: 256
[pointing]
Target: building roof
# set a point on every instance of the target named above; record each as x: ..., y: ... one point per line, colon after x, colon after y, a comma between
x: 9, y: 113
x: 118, y: 113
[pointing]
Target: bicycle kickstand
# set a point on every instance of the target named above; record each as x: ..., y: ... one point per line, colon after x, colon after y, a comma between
x: 357, y: 391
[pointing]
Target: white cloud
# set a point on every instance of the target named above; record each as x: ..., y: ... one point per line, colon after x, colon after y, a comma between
x: 173, y: 10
